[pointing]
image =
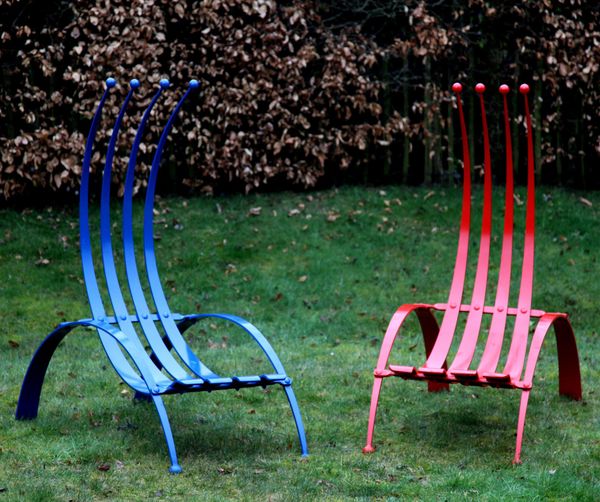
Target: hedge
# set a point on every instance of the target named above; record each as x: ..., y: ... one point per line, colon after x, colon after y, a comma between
x: 294, y: 94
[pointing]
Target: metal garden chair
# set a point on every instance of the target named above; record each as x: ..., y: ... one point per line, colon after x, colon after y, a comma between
x: 463, y: 368
x: 159, y: 373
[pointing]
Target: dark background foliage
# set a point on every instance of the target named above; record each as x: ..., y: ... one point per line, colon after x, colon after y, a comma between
x: 296, y: 93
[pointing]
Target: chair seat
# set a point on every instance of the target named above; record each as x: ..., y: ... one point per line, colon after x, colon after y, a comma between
x: 466, y: 374
x: 465, y: 377
x: 217, y: 383
x: 496, y: 377
x: 403, y: 370
x: 432, y: 372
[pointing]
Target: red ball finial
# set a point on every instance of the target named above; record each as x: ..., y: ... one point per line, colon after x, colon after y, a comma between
x: 523, y: 88
x: 457, y: 87
x: 480, y: 88
x: 504, y: 89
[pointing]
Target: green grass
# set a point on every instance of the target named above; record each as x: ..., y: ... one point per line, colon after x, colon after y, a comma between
x: 322, y: 292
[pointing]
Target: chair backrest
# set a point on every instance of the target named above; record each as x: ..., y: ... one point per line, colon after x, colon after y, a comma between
x: 477, y: 308
x: 143, y: 316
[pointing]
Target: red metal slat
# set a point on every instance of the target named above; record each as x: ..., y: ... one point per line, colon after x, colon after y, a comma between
x: 518, y: 346
x: 493, y: 347
x: 439, y: 352
x: 468, y: 343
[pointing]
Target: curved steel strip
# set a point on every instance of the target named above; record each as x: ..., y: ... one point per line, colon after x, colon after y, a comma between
x: 568, y: 359
x: 568, y: 367
x: 31, y: 388
x: 444, y: 340
x: 248, y: 327
x: 493, y: 346
x: 521, y: 425
x: 428, y: 324
x: 110, y: 271
x: 162, y: 356
x: 164, y: 313
x: 112, y: 349
x: 393, y: 328
x: 89, y: 274
x: 266, y: 347
x: 518, y: 346
x: 467, y: 346
x: 168, y: 433
x: 291, y: 397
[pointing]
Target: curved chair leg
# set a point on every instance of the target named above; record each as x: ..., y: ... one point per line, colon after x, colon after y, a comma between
x: 166, y: 425
x: 568, y: 366
x: 31, y: 389
x: 29, y: 397
x: 297, y: 418
x: 521, y: 425
x: 372, y: 414
x: 569, y: 376
x: 430, y: 331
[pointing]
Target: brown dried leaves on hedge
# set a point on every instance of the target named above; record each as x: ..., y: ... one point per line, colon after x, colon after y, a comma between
x: 282, y: 97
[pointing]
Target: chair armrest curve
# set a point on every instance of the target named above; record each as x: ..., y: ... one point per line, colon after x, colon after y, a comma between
x: 249, y: 328
x: 394, y: 326
x: 125, y: 343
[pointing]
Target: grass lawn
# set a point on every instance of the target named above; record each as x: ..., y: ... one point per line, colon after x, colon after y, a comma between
x: 320, y: 274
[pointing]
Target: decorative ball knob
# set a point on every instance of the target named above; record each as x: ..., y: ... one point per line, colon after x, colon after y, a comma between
x: 110, y: 82
x: 457, y: 87
x: 134, y: 83
x: 194, y: 84
x: 523, y: 88
x: 480, y: 88
x: 164, y: 83
x: 504, y: 89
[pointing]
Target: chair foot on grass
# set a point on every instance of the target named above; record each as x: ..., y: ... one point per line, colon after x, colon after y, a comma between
x: 166, y: 426
x: 297, y: 418
x: 521, y: 426
x: 175, y: 469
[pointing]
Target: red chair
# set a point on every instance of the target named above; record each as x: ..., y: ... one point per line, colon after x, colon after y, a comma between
x: 438, y: 340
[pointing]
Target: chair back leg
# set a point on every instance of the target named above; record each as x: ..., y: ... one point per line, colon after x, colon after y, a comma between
x: 31, y: 389
x: 569, y: 376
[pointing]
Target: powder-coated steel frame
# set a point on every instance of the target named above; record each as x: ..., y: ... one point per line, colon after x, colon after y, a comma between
x: 438, y: 340
x: 159, y: 373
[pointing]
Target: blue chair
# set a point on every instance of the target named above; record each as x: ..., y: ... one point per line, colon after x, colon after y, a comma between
x: 159, y: 373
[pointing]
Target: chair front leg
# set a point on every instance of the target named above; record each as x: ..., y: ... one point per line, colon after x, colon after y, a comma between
x: 568, y: 364
x: 521, y: 425
x: 429, y: 327
x: 287, y: 387
x: 166, y: 426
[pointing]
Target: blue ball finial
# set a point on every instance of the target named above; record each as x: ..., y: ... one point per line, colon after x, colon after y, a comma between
x: 110, y: 82
x: 194, y: 84
x: 164, y: 83
x: 134, y: 83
